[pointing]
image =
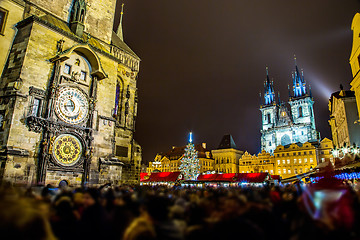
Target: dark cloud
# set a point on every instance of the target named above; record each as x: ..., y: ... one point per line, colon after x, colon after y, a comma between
x: 203, y: 64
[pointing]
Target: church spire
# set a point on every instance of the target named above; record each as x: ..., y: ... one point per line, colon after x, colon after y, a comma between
x: 269, y: 94
x: 299, y: 85
x: 119, y: 31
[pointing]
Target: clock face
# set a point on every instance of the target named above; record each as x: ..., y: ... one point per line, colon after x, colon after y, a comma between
x: 71, y: 105
x: 67, y: 149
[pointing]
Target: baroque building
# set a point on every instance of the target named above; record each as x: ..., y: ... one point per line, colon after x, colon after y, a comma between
x: 68, y: 96
x: 171, y: 160
x: 263, y: 162
x: 355, y: 59
x: 343, y: 117
x: 281, y: 126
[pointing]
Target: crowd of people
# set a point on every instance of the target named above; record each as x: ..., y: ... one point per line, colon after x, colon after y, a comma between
x: 328, y: 210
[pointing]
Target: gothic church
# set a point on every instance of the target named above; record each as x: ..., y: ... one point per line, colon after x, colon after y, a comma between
x: 68, y: 96
x: 281, y: 126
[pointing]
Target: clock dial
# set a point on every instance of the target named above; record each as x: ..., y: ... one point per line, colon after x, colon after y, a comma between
x: 67, y: 149
x: 71, y: 105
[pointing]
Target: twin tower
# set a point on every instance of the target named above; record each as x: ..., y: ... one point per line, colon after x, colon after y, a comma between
x: 281, y: 126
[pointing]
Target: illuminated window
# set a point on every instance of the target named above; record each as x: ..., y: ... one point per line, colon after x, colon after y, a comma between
x: 283, y: 161
x: 83, y: 75
x: 279, y: 171
x: 305, y: 160
x: 294, y: 161
x: 3, y: 17
x: 289, y: 171
x: 278, y: 161
x: 311, y: 160
x: 284, y: 171
x: 299, y: 161
x: 288, y: 161
x: 67, y: 69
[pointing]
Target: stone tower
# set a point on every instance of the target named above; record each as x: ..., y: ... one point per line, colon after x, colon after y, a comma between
x: 283, y: 127
x: 269, y: 113
x: 68, y: 97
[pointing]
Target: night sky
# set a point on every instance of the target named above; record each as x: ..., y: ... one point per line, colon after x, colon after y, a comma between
x: 203, y: 64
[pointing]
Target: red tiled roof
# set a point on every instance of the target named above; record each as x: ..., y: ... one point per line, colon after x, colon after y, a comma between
x: 162, y: 177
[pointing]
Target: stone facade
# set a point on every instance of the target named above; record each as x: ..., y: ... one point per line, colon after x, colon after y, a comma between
x: 263, y: 162
x: 343, y: 116
x: 283, y: 127
x: 68, y: 102
x: 295, y: 159
x: 227, y: 156
x: 354, y: 59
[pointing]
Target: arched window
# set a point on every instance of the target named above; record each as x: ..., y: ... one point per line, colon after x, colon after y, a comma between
x: 268, y: 118
x: 300, y: 111
x: 117, y: 100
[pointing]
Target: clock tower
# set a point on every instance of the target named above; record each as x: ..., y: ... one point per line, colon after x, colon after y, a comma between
x: 69, y: 100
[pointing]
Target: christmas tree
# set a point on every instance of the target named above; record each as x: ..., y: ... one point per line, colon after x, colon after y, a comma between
x: 190, y: 166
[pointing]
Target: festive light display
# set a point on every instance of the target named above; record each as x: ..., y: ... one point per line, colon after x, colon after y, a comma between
x: 190, y: 167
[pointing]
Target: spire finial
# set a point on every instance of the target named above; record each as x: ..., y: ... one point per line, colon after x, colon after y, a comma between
x: 267, y: 70
x: 190, y: 137
x: 119, y: 31
x: 295, y: 59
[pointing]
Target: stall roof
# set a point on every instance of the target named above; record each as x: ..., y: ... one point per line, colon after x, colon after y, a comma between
x: 160, y: 177
x: 235, y: 177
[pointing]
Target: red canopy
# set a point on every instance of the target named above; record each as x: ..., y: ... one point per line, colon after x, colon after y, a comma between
x: 253, y: 177
x: 235, y: 177
x: 275, y: 177
x: 161, y: 177
x: 143, y: 176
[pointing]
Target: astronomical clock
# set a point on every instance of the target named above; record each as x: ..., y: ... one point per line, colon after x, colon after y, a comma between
x: 68, y: 101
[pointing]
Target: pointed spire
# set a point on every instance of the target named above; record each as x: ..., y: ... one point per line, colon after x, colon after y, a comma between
x: 269, y: 94
x: 299, y: 86
x: 279, y: 100
x: 119, y: 31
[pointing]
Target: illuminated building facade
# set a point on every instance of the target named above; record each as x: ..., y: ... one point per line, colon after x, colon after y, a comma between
x: 343, y: 115
x: 171, y: 160
x: 263, y: 162
x: 227, y: 156
x: 281, y: 126
x: 355, y: 59
x: 68, y: 95
x: 295, y: 159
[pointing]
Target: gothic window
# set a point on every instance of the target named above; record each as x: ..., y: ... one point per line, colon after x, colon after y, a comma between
x: 3, y: 17
x: 35, y: 111
x: 300, y: 111
x: 36, y: 101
